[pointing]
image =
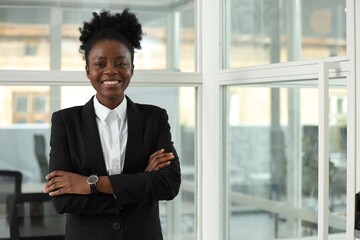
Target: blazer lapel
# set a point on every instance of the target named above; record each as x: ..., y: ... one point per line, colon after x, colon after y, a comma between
x: 92, y: 145
x: 134, y: 141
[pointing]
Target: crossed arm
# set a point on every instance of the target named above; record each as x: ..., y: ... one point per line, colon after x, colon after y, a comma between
x: 63, y: 182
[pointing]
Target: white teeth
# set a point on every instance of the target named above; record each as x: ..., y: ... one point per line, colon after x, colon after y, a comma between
x: 110, y: 82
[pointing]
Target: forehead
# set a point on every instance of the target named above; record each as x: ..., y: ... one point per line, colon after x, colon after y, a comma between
x: 109, y: 49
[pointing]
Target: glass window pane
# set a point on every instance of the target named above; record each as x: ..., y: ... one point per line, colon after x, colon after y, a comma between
x: 272, y: 31
x: 272, y: 161
x: 338, y: 158
x: 71, y: 59
x: 187, y: 51
x: 30, y: 104
x: 168, y: 43
x: 24, y: 38
x: 39, y: 104
x: 178, y: 216
x: 21, y: 104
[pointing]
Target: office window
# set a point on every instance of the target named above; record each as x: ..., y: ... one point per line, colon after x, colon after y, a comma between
x: 30, y: 50
x: 271, y: 165
x: 26, y: 31
x: 178, y: 217
x: 168, y: 43
x: 273, y: 31
x: 39, y: 104
x: 24, y: 38
x: 21, y: 104
x: 30, y: 105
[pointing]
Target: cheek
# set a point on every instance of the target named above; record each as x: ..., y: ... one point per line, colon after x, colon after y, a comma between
x: 125, y: 74
x: 93, y: 80
x: 130, y: 73
x: 93, y: 75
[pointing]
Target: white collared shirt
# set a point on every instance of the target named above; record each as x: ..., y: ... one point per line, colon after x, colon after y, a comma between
x: 113, y: 134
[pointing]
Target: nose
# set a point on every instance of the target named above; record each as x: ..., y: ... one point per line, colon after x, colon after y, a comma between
x: 110, y: 69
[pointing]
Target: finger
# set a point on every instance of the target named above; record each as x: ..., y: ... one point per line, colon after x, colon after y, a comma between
x: 165, y: 164
x: 157, y: 152
x: 57, y: 192
x: 156, y: 158
x: 45, y: 189
x: 151, y: 166
x: 166, y: 157
x: 161, y: 163
x: 162, y: 157
x: 54, y: 186
x: 49, y: 189
x: 54, y: 174
x: 56, y: 182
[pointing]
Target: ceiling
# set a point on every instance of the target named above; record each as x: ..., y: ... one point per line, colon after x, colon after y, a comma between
x: 133, y: 4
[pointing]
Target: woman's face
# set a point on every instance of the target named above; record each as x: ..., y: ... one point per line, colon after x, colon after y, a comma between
x: 109, y: 70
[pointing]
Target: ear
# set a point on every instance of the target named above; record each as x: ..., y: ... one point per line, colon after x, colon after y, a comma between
x: 87, y: 70
x: 132, y: 69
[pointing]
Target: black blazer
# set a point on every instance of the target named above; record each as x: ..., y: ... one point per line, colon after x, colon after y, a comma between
x: 134, y: 213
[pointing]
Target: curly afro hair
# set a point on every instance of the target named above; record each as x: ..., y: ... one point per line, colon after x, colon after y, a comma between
x: 123, y: 27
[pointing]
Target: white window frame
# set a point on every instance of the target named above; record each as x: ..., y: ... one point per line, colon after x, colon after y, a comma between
x: 213, y: 107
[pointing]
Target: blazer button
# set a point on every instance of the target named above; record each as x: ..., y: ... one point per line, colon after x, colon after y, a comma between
x: 116, y: 226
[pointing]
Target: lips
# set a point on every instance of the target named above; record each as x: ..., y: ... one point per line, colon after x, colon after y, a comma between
x: 110, y: 82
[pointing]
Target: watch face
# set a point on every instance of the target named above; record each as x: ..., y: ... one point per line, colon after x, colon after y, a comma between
x: 92, y: 179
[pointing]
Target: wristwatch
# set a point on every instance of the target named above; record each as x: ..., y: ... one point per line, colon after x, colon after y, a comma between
x: 92, y: 180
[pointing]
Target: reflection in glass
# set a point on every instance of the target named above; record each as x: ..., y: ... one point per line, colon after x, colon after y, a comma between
x: 272, y: 161
x: 272, y: 31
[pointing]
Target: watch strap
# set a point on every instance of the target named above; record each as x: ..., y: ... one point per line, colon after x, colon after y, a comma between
x: 93, y: 188
x: 92, y: 181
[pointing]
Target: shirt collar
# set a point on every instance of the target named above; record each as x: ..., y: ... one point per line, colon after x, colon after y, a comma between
x: 102, y: 112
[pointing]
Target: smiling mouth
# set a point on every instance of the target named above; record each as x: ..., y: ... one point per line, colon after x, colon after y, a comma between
x: 111, y: 82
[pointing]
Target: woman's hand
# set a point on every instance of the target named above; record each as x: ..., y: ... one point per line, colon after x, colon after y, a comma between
x: 158, y: 160
x: 62, y: 182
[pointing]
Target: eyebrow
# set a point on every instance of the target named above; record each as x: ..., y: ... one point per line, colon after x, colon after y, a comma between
x: 102, y: 57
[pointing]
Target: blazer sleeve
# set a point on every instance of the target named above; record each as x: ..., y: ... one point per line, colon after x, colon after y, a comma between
x: 151, y: 186
x: 65, y: 148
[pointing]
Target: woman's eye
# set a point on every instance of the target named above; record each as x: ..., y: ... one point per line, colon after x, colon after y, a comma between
x: 121, y: 64
x: 99, y: 64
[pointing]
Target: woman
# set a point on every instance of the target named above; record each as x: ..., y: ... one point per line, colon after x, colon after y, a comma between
x: 111, y: 160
